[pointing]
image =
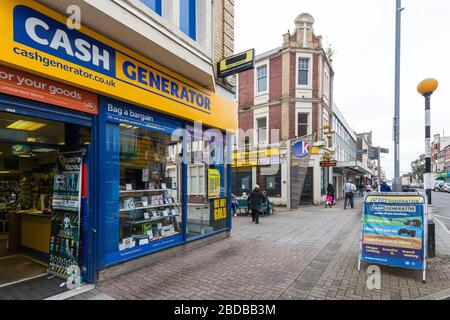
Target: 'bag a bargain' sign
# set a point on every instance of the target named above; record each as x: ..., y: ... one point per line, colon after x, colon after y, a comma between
x: 37, y: 39
x: 394, y: 231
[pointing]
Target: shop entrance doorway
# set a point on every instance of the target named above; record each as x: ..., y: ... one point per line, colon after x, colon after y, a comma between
x: 30, y: 153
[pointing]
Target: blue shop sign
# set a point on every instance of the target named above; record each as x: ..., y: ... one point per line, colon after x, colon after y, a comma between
x: 122, y: 113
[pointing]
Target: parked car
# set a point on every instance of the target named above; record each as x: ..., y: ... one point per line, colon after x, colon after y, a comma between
x: 446, y: 187
x: 408, y: 188
x: 439, y: 186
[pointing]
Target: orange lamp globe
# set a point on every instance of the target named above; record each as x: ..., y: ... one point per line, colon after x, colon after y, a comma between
x: 427, y: 86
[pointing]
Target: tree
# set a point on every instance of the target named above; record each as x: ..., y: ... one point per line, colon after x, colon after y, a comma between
x: 418, y: 167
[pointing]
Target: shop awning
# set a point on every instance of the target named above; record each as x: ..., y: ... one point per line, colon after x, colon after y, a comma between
x: 355, y: 166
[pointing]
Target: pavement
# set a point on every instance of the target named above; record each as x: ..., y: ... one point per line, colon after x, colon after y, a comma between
x: 308, y: 254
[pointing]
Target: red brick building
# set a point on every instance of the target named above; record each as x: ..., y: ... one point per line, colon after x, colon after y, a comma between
x: 288, y: 94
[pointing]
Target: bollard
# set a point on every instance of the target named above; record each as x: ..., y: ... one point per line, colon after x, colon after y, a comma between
x: 431, y: 239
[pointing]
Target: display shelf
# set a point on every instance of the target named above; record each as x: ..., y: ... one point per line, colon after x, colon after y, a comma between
x: 153, y: 219
x: 151, y: 207
x: 146, y: 191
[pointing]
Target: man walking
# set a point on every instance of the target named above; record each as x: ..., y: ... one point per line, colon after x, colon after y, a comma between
x: 349, y: 190
x: 255, y: 200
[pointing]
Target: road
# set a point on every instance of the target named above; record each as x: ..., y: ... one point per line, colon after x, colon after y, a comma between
x: 441, y: 208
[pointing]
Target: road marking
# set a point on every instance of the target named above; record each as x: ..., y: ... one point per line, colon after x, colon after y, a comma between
x: 442, y: 225
x: 442, y: 217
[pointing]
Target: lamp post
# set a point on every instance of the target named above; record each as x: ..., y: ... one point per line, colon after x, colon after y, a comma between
x: 426, y: 88
x: 397, y: 184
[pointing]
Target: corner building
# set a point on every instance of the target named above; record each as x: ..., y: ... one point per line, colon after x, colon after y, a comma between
x: 103, y: 163
x: 288, y: 95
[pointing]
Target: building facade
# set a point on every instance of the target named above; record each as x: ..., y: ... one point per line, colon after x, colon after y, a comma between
x: 99, y: 119
x: 367, y: 166
x: 439, y: 160
x: 288, y: 95
x: 344, y: 143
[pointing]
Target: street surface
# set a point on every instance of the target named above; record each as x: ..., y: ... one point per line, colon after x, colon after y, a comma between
x: 309, y: 254
x: 441, y: 208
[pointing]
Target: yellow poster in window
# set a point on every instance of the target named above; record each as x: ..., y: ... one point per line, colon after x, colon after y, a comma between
x: 213, y: 183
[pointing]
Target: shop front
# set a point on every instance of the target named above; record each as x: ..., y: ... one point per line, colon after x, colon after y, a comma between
x: 263, y: 167
x: 46, y: 152
x: 147, y: 148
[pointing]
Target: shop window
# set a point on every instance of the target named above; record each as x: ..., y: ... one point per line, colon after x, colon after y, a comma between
x: 155, y: 5
x: 273, y: 185
x: 188, y: 18
x: 302, y: 124
x: 207, y: 200
x: 242, y: 181
x: 150, y: 207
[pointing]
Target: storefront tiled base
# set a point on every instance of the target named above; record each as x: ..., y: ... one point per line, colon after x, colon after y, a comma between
x: 159, y: 256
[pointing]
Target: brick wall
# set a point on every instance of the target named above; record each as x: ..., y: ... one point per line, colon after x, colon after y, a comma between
x: 223, y: 33
x: 275, y: 121
x: 316, y: 76
x: 223, y: 29
x: 246, y: 89
x: 293, y: 80
x: 275, y: 78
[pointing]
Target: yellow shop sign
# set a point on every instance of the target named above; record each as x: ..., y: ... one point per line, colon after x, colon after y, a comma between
x: 37, y: 39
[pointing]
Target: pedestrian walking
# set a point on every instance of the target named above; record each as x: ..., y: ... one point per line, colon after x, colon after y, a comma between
x: 255, y: 200
x: 385, y: 187
x: 349, y: 190
x: 361, y: 190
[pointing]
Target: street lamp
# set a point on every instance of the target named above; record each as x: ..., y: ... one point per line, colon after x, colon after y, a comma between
x: 426, y: 88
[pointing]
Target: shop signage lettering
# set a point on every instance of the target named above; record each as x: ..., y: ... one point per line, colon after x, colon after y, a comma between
x: 394, y: 231
x: 301, y: 149
x: 144, y: 77
x: 254, y: 158
x: 36, y: 38
x: 128, y: 115
x: 328, y: 163
x: 24, y: 85
x: 220, y: 209
x: 219, y: 213
x: 35, y: 30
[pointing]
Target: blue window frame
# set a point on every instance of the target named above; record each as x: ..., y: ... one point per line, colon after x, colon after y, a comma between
x: 188, y: 18
x: 155, y: 5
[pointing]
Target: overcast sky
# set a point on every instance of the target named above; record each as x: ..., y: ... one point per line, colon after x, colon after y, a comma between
x: 362, y: 32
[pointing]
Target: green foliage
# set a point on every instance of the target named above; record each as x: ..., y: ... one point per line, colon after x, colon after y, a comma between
x: 418, y: 167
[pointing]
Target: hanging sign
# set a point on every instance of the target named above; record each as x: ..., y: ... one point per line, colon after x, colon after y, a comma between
x: 66, y: 210
x: 394, y: 231
x: 301, y: 149
x: 328, y: 163
x: 238, y: 63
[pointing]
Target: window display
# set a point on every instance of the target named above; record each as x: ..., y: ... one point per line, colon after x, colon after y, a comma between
x: 206, y: 182
x: 150, y: 206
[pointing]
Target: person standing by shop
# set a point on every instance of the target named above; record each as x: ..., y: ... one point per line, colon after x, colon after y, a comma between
x: 349, y: 190
x: 255, y: 200
x: 331, y: 192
